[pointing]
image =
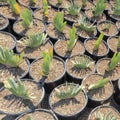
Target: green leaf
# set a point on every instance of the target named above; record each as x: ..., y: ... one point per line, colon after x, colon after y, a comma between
x: 98, y: 42
x: 45, y: 7
x: 118, y: 45
x: 58, y: 22
x: 28, y: 118
x: 27, y: 18
x: 116, y: 9
x: 60, y: 1
x: 33, y: 1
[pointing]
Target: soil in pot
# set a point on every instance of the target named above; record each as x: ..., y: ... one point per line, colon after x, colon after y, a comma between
x: 13, y: 72
x: 60, y: 48
x: 40, y: 14
x: 7, y: 40
x: 39, y: 114
x: 37, y: 26
x: 100, y: 94
x: 68, y: 107
x: 102, y: 66
x: 11, y: 104
x: 104, y: 110
x: 33, y: 53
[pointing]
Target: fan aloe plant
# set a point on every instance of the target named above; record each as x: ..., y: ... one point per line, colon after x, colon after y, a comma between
x: 114, y: 61
x: 118, y: 45
x: 73, y: 39
x: 47, y: 60
x: 17, y: 88
x: 116, y: 9
x: 33, y: 1
x: 98, y: 42
x: 70, y: 91
x: 9, y: 58
x: 102, y: 116
x: 86, y: 25
x: 59, y: 1
x: 82, y: 62
x: 45, y: 7
x: 27, y: 18
x: 59, y: 22
x: 99, y: 8
x: 15, y: 7
x: 101, y: 83
x: 34, y: 40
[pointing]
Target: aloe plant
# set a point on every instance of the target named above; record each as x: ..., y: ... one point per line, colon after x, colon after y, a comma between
x: 102, y: 116
x: 101, y: 83
x: 59, y: 22
x: 15, y: 7
x: 59, y: 1
x: 98, y: 42
x: 118, y: 45
x: 82, y: 62
x: 47, y: 60
x: 34, y: 40
x: 9, y: 58
x: 99, y: 8
x: 73, y: 39
x: 45, y: 7
x: 114, y: 61
x: 116, y: 9
x: 71, y: 91
x: 33, y: 1
x: 86, y: 25
x: 17, y: 88
x: 27, y: 18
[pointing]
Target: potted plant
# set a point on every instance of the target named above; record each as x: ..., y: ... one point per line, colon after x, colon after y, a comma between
x: 78, y: 67
x: 68, y: 100
x: 104, y: 112
x: 96, y: 47
x: 43, y: 70
x: 28, y: 24
x: 98, y: 89
x: 19, y: 96
x: 33, y: 45
x: 42, y: 114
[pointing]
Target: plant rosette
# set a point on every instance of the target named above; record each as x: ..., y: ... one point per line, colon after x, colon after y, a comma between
x: 101, y: 52
x: 39, y: 13
x: 12, y: 104
x: 104, y: 112
x: 102, y: 68
x: 100, y: 95
x: 56, y: 74
x: 67, y: 108
x: 109, y: 28
x: 33, y: 53
x: 4, y: 22
x: 40, y: 114
x: 78, y: 67
x: 35, y: 28
x: 60, y: 48
x: 54, y: 34
x: 7, y: 40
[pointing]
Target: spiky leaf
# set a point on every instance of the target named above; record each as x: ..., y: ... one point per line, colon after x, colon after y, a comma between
x: 45, y: 7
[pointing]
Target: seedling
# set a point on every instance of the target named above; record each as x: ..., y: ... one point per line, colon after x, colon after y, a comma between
x: 17, y: 88
x: 116, y: 9
x: 15, y: 6
x: 98, y: 42
x: 114, y: 61
x: 107, y: 26
x: 99, y: 8
x: 59, y: 1
x: 45, y: 7
x: 9, y: 58
x: 28, y: 118
x: 84, y: 2
x: 74, y: 9
x: 59, y: 22
x: 86, y: 25
x: 71, y: 91
x: 47, y: 60
x: 34, y: 40
x: 27, y: 18
x: 102, y: 116
x: 118, y: 45
x: 73, y: 39
x: 33, y: 1
x: 101, y: 83
x: 82, y: 62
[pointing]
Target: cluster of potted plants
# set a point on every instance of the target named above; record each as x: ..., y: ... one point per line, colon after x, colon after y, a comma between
x: 66, y: 49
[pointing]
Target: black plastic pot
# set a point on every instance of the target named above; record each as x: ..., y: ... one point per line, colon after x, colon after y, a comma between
x: 49, y: 86
x: 93, y: 55
x: 70, y: 116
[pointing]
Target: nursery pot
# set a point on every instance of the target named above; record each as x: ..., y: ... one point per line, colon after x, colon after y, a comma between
x: 67, y: 109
